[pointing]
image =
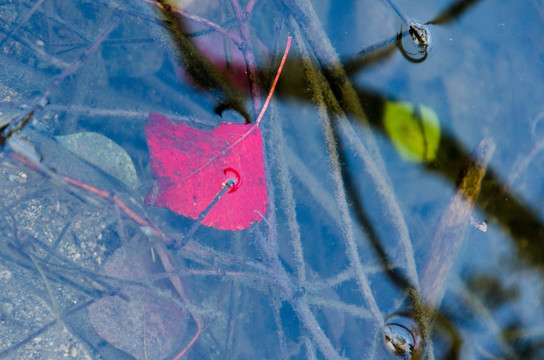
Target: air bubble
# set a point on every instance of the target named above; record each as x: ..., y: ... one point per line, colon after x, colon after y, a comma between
x: 420, y: 34
x: 416, y: 45
x: 401, y: 337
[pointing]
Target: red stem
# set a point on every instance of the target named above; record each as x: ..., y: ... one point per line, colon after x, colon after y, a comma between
x: 265, y: 106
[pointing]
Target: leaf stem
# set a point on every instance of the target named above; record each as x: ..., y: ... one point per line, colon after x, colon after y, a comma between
x: 265, y: 106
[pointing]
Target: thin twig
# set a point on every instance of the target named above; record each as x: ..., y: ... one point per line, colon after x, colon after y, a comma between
x: 247, y: 50
x: 275, y: 82
x: 339, y: 191
x: 249, y: 9
x: 300, y: 305
x: 289, y: 204
x: 275, y: 304
x: 41, y: 102
x: 237, y: 40
x: 5, y: 352
x: 397, y: 11
x: 252, y: 127
x: 176, y: 281
x: 21, y: 22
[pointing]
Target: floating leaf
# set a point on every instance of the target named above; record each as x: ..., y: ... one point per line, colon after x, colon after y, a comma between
x: 414, y: 130
x: 103, y: 153
x: 191, y: 166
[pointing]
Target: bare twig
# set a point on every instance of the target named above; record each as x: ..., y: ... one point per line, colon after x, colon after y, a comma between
x: 21, y: 22
x: 341, y: 200
x: 22, y: 120
x: 195, y: 18
x: 247, y: 50
x: 289, y: 204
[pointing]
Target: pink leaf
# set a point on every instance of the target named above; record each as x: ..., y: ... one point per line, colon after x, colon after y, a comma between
x: 191, y: 166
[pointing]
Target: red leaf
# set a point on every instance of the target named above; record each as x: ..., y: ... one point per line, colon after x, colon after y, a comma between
x: 191, y: 166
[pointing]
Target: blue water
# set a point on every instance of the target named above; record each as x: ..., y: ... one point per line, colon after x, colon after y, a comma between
x: 481, y: 76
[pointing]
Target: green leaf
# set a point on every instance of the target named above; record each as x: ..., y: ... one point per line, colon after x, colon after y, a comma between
x: 413, y: 129
x: 103, y: 153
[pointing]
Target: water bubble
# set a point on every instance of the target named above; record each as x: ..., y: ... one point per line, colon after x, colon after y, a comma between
x: 300, y: 292
x: 401, y: 337
x: 415, y: 47
x: 420, y: 34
